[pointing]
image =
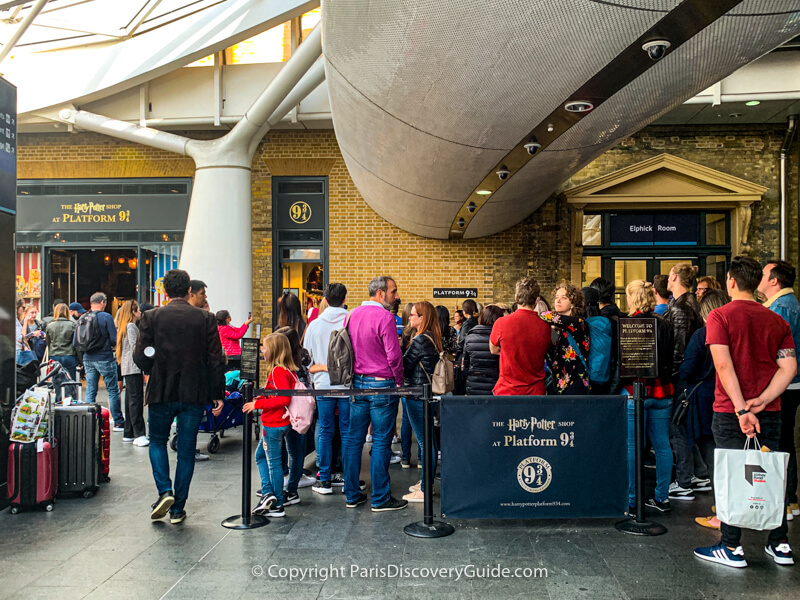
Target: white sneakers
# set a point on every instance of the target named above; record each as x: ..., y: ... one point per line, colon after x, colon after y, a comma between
x: 141, y: 441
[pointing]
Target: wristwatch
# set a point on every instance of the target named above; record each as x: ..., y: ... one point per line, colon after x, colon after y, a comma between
x: 739, y: 413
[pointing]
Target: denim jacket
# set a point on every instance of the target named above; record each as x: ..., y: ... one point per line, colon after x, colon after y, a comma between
x: 788, y: 307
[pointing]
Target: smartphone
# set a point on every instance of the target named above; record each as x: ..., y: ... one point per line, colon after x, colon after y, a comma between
x: 249, y: 315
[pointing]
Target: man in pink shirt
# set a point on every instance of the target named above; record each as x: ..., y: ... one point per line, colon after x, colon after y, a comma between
x: 378, y: 364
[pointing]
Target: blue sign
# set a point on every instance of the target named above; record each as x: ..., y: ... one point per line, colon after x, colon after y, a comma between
x: 534, y: 457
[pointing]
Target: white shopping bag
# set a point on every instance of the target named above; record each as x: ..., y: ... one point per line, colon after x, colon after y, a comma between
x: 750, y: 487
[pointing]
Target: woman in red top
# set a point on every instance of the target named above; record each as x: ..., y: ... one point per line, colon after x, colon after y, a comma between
x: 230, y: 336
x: 275, y: 420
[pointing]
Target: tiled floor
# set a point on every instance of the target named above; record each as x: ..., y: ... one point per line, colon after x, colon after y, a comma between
x: 107, y: 547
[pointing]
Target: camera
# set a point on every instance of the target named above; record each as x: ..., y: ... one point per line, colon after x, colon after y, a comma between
x: 532, y: 147
x: 503, y: 173
x: 656, y: 49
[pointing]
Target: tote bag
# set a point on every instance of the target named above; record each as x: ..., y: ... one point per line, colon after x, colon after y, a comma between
x: 750, y: 486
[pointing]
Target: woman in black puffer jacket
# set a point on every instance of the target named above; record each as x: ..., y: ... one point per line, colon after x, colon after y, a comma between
x: 482, y: 368
x: 419, y: 363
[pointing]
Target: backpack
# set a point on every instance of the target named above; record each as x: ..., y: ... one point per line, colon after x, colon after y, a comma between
x: 599, y: 363
x: 443, y: 380
x: 341, y: 357
x: 301, y: 409
x: 88, y: 334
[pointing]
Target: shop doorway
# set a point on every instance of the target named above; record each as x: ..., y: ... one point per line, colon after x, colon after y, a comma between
x: 300, y: 238
x: 77, y: 274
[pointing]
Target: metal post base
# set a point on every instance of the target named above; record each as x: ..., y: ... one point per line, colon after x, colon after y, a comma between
x: 644, y: 528
x: 436, y: 529
x: 239, y: 522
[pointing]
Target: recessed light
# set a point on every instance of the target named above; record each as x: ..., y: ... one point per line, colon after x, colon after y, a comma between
x: 752, y: 103
x: 483, y: 192
x: 578, y: 106
x: 735, y: 115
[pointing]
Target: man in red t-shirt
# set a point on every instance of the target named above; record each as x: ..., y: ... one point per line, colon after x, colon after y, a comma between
x: 754, y: 357
x: 522, y: 340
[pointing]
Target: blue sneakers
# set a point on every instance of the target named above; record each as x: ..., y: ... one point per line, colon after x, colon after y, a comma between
x: 723, y: 555
x: 781, y: 554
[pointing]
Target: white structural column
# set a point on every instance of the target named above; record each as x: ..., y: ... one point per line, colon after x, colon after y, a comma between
x: 217, y: 245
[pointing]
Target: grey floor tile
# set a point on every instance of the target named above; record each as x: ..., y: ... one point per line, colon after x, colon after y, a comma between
x: 584, y: 587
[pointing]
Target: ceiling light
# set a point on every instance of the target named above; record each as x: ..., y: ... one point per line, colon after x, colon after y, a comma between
x: 752, y: 103
x: 550, y: 127
x: 578, y: 106
x: 483, y: 192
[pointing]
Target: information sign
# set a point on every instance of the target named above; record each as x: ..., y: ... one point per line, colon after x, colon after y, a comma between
x: 638, y: 356
x: 251, y: 354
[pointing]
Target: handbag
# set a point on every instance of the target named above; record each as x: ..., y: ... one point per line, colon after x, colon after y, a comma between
x: 750, y: 486
x: 681, y: 409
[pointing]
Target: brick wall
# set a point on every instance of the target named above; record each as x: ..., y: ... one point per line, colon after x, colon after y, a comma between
x: 363, y: 245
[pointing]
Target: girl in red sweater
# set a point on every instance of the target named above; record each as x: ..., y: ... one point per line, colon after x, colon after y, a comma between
x: 278, y: 353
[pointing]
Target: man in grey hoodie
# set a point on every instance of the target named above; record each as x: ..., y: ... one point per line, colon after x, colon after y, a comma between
x: 316, y: 341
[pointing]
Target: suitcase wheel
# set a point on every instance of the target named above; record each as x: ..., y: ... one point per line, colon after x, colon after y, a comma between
x: 14, y: 510
x: 48, y: 507
x: 213, y: 445
x: 173, y: 443
x: 87, y: 494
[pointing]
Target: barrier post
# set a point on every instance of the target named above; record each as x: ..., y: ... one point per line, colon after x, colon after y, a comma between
x: 246, y: 520
x: 428, y: 528
x: 638, y: 525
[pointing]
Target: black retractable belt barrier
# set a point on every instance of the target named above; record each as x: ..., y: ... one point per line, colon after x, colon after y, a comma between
x: 428, y: 528
x: 250, y: 521
x: 246, y: 520
x: 638, y: 525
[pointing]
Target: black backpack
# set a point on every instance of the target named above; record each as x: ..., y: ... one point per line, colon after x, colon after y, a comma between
x: 88, y: 334
x: 341, y: 357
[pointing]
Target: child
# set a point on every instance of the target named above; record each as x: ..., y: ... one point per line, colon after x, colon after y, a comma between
x: 276, y: 426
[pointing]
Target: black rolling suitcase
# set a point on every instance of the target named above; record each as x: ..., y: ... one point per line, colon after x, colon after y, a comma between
x: 77, y: 429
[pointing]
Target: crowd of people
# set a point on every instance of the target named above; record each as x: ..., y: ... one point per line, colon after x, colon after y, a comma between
x: 726, y: 353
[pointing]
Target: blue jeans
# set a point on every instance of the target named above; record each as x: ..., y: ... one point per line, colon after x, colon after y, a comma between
x: 108, y: 370
x: 657, y: 415
x: 326, y: 408
x: 268, y: 460
x: 405, y: 436
x: 69, y: 363
x: 188, y: 416
x: 382, y: 412
x: 415, y: 409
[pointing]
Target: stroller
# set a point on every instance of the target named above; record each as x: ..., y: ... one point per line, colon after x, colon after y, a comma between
x: 232, y: 415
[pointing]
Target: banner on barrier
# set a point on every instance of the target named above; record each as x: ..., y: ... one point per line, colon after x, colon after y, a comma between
x: 534, y: 457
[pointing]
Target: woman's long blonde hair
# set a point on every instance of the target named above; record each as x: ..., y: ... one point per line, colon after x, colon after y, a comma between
x: 278, y: 352
x: 124, y: 316
x: 640, y: 296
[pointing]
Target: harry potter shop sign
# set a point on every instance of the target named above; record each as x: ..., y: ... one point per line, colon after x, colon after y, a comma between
x: 150, y: 212
x: 534, y: 457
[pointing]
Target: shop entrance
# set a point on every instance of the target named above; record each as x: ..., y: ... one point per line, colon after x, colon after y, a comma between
x: 300, y: 239
x: 77, y: 274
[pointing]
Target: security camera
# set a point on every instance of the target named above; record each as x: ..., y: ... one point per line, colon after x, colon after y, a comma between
x: 503, y: 173
x: 532, y: 147
x: 656, y: 49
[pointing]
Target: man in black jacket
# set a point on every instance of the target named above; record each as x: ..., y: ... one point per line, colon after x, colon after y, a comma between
x: 179, y: 348
x: 684, y: 316
x: 470, y: 310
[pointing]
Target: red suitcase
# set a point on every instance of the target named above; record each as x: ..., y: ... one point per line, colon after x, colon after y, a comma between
x: 32, y: 475
x: 105, y: 446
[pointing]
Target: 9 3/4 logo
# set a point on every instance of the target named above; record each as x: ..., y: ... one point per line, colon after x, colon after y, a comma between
x: 534, y: 474
x: 300, y: 212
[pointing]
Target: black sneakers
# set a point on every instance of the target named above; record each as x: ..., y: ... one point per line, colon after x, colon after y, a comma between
x: 266, y: 503
x: 323, y: 487
x: 162, y: 505
x: 358, y: 502
x: 659, y: 505
x: 289, y: 499
x: 391, y: 504
x: 276, y: 512
x: 177, y: 517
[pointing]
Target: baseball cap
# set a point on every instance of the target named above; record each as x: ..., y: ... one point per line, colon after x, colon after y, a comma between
x: 76, y: 306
